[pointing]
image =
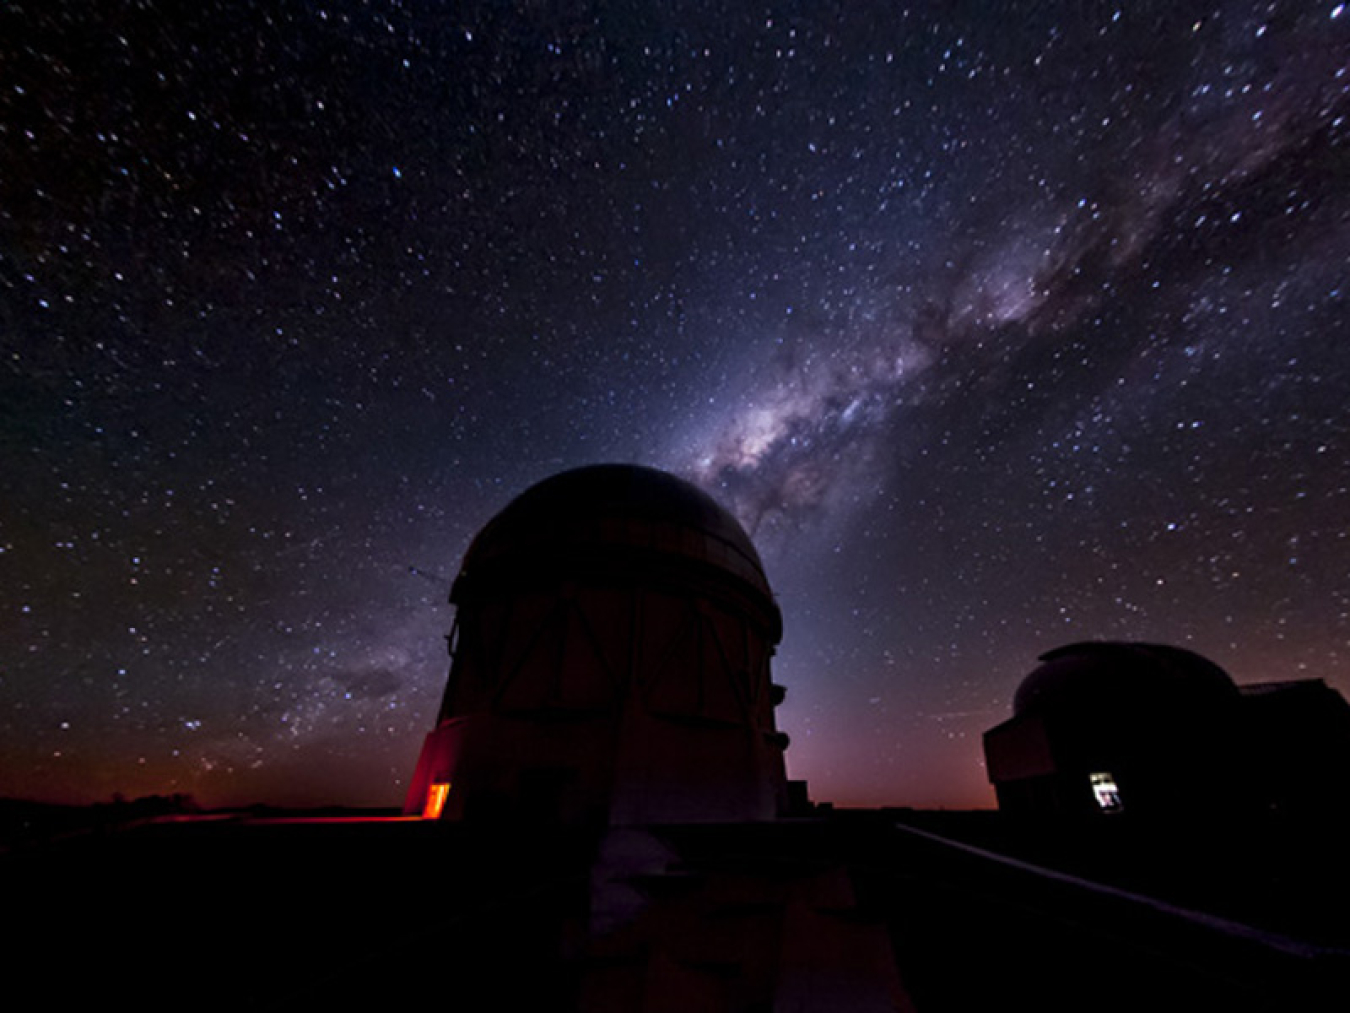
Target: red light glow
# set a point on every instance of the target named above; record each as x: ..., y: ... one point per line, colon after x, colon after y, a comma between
x: 435, y: 800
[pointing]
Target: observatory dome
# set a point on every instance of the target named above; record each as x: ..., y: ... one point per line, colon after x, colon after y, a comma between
x: 611, y: 518
x: 610, y: 662
x: 1086, y: 676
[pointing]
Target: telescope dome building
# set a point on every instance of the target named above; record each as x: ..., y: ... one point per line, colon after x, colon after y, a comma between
x: 1104, y: 727
x: 610, y: 663
x: 1107, y: 726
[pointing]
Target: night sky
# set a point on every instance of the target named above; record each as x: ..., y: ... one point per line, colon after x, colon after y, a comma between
x: 1000, y: 326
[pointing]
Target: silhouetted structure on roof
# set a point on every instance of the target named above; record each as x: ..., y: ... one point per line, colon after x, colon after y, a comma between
x: 1107, y: 727
x: 1296, y: 744
x: 610, y: 663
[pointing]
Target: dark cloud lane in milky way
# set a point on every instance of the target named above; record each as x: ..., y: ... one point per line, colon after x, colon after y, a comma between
x: 997, y: 329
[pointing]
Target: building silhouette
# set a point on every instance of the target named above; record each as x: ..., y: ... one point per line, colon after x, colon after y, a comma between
x: 1102, y: 728
x: 610, y: 691
x: 609, y: 663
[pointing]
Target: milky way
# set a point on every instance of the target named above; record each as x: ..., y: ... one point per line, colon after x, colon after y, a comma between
x: 1035, y: 271
x: 999, y: 326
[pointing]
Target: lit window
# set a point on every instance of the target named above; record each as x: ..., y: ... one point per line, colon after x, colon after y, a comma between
x: 436, y: 800
x: 1106, y: 793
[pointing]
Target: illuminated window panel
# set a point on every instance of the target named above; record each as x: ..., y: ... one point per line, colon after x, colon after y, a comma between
x: 436, y: 800
x: 1105, y: 791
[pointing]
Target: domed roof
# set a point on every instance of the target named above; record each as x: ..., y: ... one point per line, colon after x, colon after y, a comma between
x: 1118, y: 673
x: 616, y: 511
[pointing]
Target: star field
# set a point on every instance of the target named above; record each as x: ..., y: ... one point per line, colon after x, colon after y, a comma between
x: 999, y: 326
